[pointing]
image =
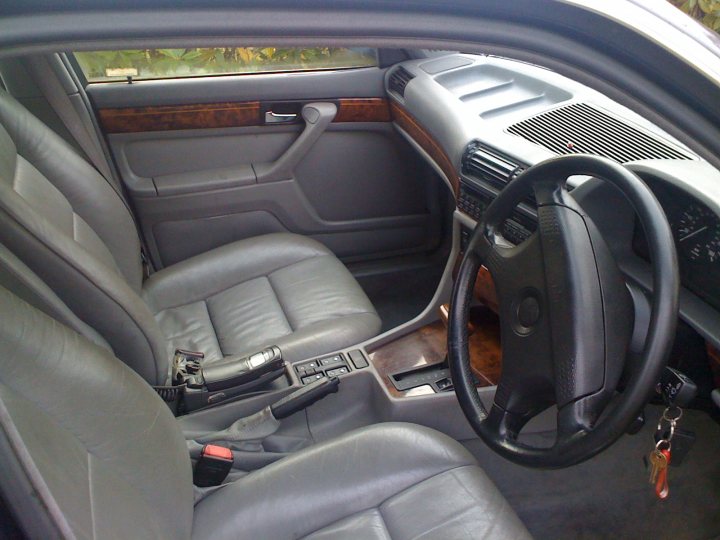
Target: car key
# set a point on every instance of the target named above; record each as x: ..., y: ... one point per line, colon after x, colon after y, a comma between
x: 658, y: 462
x: 677, y: 391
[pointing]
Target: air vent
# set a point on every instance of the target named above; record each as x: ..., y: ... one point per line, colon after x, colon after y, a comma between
x: 582, y: 128
x: 399, y: 79
x: 489, y: 165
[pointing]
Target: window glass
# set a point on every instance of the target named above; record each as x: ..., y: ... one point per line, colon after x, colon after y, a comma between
x: 102, y: 66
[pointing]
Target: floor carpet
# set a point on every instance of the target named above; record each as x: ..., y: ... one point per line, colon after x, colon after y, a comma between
x: 609, y: 496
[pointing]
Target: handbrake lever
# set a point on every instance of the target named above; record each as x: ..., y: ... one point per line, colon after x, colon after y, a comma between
x: 304, y: 397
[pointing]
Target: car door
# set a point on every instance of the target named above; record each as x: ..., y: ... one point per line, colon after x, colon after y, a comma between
x: 300, y: 146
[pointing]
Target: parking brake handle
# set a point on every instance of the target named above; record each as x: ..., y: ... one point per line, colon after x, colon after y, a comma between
x: 304, y: 397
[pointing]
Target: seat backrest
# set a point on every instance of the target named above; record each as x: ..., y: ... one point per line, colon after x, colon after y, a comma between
x: 65, y: 222
x: 87, y: 449
x: 17, y: 278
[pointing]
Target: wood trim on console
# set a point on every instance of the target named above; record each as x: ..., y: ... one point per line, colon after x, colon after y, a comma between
x: 485, y: 289
x: 224, y: 115
x: 427, y: 346
x: 423, y: 347
x: 403, y: 119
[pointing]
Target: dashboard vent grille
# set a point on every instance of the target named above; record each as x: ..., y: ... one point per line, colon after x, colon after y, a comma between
x: 582, y: 128
x: 489, y: 165
x: 399, y: 79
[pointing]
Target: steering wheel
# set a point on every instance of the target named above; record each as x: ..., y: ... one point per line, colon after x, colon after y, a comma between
x: 566, y: 317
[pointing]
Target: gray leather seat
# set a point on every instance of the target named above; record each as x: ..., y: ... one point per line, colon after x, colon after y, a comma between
x: 88, y: 450
x: 69, y: 226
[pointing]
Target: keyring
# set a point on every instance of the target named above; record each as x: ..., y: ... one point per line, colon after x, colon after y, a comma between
x: 672, y: 419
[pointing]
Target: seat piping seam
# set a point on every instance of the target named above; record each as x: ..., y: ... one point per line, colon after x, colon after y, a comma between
x: 222, y: 290
x: 62, y: 425
x: 212, y: 327
x: 277, y: 297
x: 425, y: 480
x: 379, y: 507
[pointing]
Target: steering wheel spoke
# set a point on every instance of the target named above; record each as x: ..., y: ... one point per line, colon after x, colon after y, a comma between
x: 526, y: 381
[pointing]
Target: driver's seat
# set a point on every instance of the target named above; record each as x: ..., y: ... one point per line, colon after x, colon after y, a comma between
x: 88, y: 450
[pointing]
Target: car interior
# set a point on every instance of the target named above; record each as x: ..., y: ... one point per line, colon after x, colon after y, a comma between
x: 416, y: 293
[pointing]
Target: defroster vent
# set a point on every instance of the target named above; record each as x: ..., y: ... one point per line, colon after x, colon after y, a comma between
x: 581, y: 128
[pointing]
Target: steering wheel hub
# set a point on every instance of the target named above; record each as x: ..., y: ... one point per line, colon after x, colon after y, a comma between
x: 528, y: 313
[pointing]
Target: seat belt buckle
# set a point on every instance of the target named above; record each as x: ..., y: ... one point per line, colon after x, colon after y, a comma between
x: 213, y: 466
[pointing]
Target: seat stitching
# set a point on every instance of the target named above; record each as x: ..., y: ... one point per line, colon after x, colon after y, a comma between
x: 212, y: 327
x: 51, y: 414
x: 454, y: 515
x: 282, y: 307
x: 425, y: 480
x: 90, y: 492
x: 29, y: 467
x: 384, y: 522
x: 244, y: 280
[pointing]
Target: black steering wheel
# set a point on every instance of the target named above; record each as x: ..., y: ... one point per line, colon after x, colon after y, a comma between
x: 566, y: 317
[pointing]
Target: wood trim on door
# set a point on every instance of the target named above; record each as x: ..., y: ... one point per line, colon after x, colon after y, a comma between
x: 224, y: 115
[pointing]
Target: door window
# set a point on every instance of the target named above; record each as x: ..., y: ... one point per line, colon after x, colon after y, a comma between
x: 107, y: 66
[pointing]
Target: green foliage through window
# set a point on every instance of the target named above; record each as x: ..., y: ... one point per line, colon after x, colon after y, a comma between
x: 167, y: 63
x: 705, y: 11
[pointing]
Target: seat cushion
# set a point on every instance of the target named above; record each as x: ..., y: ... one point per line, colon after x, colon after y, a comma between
x: 391, y: 480
x: 277, y: 289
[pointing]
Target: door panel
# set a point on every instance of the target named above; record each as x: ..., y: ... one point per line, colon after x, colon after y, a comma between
x: 201, y: 174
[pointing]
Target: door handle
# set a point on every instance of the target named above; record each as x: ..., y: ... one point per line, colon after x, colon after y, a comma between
x: 317, y: 118
x: 279, y: 118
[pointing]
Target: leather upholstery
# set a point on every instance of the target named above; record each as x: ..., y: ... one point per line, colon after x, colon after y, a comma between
x: 69, y: 226
x: 107, y: 459
x: 279, y: 289
x: 108, y: 449
x: 390, y: 480
x: 23, y: 283
x: 91, y: 197
x: 40, y: 226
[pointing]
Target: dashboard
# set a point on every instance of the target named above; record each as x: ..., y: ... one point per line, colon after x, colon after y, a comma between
x: 696, y: 230
x: 480, y: 121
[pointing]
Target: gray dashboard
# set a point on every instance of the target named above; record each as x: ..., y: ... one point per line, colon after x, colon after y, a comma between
x: 493, y: 117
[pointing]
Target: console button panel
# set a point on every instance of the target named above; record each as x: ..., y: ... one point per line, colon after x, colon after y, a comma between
x: 329, y: 366
x: 474, y: 202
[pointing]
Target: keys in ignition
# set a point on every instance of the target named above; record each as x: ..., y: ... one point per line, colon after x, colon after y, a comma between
x: 662, y: 489
x: 658, y: 462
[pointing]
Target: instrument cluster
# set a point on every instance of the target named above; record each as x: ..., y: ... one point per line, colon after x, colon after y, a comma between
x: 696, y: 230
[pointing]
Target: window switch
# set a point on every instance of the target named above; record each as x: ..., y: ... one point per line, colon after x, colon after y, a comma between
x: 312, y: 378
x: 330, y: 360
x: 338, y: 371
